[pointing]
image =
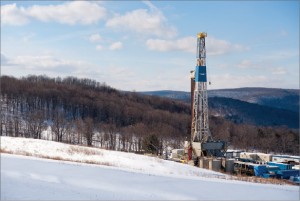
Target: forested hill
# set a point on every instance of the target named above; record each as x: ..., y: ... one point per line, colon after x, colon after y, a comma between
x: 72, y: 99
x: 83, y: 111
x: 287, y: 99
x: 258, y: 106
x: 251, y: 113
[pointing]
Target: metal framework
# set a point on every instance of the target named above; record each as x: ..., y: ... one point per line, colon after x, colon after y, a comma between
x: 200, y: 127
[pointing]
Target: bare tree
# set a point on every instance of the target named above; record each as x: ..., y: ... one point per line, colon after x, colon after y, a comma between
x: 79, y: 130
x: 110, y: 131
x: 36, y: 124
x: 17, y: 125
x: 59, y: 125
x: 89, y: 130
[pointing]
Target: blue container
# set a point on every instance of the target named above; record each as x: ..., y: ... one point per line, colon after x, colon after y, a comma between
x: 296, y: 180
x: 259, y: 170
x: 286, y: 174
x: 282, y: 166
x: 267, y: 175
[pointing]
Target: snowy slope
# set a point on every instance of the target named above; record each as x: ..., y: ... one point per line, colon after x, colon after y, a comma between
x: 139, y: 178
x: 126, y: 161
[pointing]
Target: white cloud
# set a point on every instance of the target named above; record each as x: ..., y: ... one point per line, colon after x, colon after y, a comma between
x: 122, y: 78
x: 82, y: 12
x: 95, y: 38
x: 274, y: 62
x: 236, y: 81
x: 99, y: 47
x: 150, y: 5
x: 125, y: 78
x: 4, y: 59
x: 41, y: 63
x: 27, y: 37
x: 280, y: 55
x: 218, y: 47
x: 116, y: 46
x: 143, y: 21
x: 279, y: 71
x: 246, y: 64
x: 122, y: 74
x: 75, y: 12
x: 188, y: 44
x: 283, y: 32
x: 12, y: 15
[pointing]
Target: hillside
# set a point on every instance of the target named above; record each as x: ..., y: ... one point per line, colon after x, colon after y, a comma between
x: 86, y: 112
x: 279, y: 98
x: 87, y: 107
x: 244, y: 112
x: 179, y: 95
x: 124, y: 176
x: 269, y: 107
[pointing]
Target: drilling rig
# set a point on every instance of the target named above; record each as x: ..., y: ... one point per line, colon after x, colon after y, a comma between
x: 201, y: 143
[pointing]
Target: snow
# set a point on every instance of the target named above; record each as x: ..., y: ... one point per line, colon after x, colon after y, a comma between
x: 124, y: 176
x: 127, y: 161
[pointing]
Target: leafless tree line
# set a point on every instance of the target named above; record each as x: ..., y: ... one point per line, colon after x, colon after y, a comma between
x: 86, y: 112
x: 81, y: 111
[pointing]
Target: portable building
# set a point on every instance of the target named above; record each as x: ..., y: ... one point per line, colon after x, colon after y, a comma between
x: 282, y: 166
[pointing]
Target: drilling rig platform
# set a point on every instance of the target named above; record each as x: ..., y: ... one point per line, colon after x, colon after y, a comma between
x: 201, y: 145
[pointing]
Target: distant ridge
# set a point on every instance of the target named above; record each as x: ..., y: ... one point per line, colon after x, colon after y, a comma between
x: 260, y: 106
x: 273, y: 97
x: 180, y: 95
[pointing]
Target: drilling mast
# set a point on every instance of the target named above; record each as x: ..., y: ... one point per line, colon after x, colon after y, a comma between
x: 201, y: 143
x: 200, y: 126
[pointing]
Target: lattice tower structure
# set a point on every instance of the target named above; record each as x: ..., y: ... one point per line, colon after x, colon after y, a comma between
x: 200, y: 124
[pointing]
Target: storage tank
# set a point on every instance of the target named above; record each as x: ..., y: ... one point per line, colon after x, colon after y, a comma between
x: 210, y: 161
x: 205, y: 163
x: 229, y: 165
x: 216, y: 164
x: 201, y: 165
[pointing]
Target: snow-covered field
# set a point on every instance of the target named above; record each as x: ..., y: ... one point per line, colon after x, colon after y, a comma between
x: 121, y: 160
x: 122, y: 176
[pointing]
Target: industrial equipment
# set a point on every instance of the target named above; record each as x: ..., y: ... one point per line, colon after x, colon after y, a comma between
x: 201, y: 143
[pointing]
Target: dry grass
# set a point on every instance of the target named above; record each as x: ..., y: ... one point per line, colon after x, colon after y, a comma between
x: 72, y: 150
x: 82, y: 150
x: 3, y: 150
x: 58, y: 158
x: 78, y: 161
x: 261, y: 180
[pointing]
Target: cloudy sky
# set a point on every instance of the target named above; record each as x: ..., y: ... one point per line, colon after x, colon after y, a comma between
x: 151, y: 45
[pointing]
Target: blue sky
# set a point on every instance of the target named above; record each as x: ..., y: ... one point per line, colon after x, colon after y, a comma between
x: 151, y: 45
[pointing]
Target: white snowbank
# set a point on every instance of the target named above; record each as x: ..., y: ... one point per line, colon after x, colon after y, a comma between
x: 127, y: 161
x: 122, y: 176
x: 28, y: 178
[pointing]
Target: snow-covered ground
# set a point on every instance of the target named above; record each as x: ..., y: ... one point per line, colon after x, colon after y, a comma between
x: 123, y: 176
x: 121, y: 160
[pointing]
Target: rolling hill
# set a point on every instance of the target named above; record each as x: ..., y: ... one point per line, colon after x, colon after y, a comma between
x: 259, y: 106
x: 278, y: 98
x: 86, y: 112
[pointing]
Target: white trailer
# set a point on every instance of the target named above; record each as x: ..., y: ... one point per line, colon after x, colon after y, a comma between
x: 286, y: 159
